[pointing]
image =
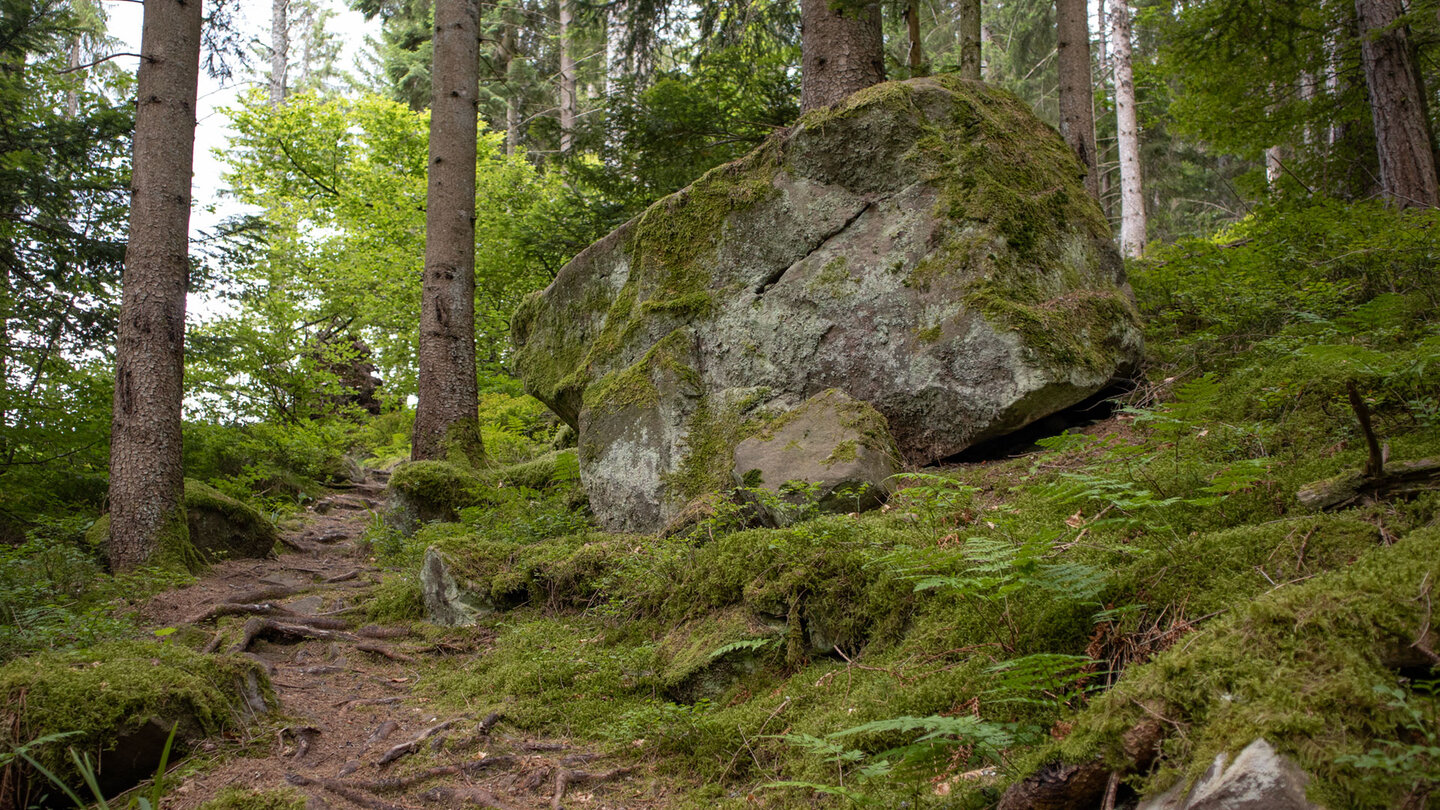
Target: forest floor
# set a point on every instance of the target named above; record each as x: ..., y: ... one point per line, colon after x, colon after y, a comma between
x: 350, y: 731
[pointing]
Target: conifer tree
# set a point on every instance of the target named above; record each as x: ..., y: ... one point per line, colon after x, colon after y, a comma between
x: 447, y: 416
x: 147, y: 520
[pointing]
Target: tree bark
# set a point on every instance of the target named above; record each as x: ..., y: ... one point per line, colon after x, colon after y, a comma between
x: 969, y: 18
x: 447, y: 416
x: 567, y: 79
x: 279, y: 49
x: 1402, y: 133
x: 512, y: 110
x: 1077, y: 95
x: 841, y: 51
x: 1132, y: 200
x: 915, y: 56
x: 147, y: 520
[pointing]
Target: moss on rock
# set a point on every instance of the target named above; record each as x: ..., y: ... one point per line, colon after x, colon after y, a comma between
x: 214, y: 527
x: 426, y: 491
x: 1302, y: 666
x: 121, y: 699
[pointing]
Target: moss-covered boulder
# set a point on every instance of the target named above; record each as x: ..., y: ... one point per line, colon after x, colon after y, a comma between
x: 831, y: 451
x: 926, y: 247
x: 118, y: 702
x: 220, y: 527
x: 426, y: 491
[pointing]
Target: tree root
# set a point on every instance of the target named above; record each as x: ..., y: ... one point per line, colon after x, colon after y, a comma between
x: 304, y: 737
x: 381, y: 732
x: 467, y: 795
x: 564, y: 778
x: 344, y: 791
x: 376, y: 631
x: 239, y: 609
x: 406, y: 748
x: 398, y: 783
x: 385, y: 701
x: 384, y: 652
x: 255, y: 628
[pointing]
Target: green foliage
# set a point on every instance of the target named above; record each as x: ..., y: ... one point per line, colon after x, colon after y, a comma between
x: 55, y: 594
x: 1414, y: 760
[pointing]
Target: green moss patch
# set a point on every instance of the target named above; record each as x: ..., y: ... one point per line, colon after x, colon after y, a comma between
x: 124, y: 691
x: 234, y: 797
x: 1303, y: 666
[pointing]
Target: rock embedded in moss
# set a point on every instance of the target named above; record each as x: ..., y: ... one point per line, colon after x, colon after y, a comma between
x: 122, y: 699
x: 219, y: 528
x: 927, y: 247
x: 426, y: 491
x: 838, y: 450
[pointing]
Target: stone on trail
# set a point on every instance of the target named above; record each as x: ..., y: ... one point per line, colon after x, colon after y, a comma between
x: 926, y: 247
x: 446, y: 602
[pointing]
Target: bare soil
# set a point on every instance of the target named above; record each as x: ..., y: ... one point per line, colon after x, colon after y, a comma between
x: 349, y: 729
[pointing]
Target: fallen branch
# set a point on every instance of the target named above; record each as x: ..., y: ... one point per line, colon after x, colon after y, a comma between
x: 376, y: 631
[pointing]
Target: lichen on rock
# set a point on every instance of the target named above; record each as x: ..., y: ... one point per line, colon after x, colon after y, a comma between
x: 926, y: 247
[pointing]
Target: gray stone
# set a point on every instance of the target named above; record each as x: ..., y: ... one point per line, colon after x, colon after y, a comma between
x: 839, y: 448
x: 1258, y: 779
x: 926, y: 247
x: 446, y: 602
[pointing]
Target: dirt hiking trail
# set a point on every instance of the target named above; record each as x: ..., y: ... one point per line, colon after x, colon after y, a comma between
x: 350, y: 729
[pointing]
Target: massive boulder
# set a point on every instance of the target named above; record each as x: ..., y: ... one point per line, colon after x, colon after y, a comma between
x: 927, y: 247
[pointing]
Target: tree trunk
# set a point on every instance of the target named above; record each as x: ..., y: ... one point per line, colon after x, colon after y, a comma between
x: 1402, y: 134
x: 969, y: 17
x: 72, y: 97
x: 841, y: 51
x: 279, y: 49
x: 1077, y: 94
x: 915, y: 57
x: 447, y: 422
x: 147, y: 518
x: 567, y: 80
x: 512, y: 111
x: 1132, y: 200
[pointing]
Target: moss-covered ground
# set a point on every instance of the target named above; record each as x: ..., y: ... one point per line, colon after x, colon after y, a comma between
x: 1004, y: 614
x: 1153, y: 569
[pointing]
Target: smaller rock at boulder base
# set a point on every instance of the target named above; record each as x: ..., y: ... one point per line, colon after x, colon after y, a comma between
x: 838, y: 449
x: 1259, y: 779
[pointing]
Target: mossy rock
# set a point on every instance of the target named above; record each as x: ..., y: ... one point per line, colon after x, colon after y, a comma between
x: 1311, y: 667
x: 706, y: 657
x: 831, y: 452
x: 554, y: 469
x: 220, y: 527
x: 118, y: 702
x: 427, y: 491
x: 927, y: 247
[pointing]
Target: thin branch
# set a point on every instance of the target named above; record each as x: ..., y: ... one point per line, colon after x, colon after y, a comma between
x: 102, y: 60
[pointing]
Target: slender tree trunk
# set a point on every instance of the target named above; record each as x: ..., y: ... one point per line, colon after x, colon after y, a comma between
x: 447, y: 422
x: 279, y: 49
x: 72, y: 97
x: 969, y: 18
x: 987, y: 41
x: 147, y: 518
x: 512, y: 111
x: 841, y: 51
x: 1077, y: 94
x: 1132, y: 200
x: 915, y: 56
x: 567, y: 80
x: 1402, y: 134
